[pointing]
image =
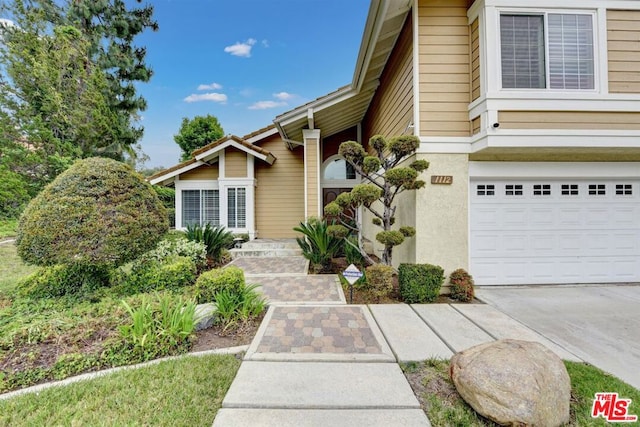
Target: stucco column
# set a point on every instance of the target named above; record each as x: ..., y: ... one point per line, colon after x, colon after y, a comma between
x: 312, y: 157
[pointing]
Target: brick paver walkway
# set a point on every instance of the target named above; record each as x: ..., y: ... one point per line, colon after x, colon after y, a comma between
x: 272, y: 265
x: 319, y: 330
x: 315, y: 289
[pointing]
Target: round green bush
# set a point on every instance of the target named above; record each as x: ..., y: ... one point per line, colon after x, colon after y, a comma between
x: 148, y: 275
x: 98, y: 212
x: 60, y: 280
x: 213, y: 281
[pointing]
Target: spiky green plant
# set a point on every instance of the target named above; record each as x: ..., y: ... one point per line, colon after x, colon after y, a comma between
x: 216, y: 239
x: 317, y: 245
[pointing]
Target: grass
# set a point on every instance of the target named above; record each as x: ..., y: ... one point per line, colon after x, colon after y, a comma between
x: 8, y: 228
x: 183, y: 392
x: 444, y: 406
x: 12, y: 269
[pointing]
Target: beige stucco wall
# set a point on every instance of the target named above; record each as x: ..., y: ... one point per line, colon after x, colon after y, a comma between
x: 201, y: 173
x: 442, y: 214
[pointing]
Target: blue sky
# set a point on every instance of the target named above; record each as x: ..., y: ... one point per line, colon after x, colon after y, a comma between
x: 243, y: 61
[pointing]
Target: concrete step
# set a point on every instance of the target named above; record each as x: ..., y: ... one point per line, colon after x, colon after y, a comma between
x: 266, y: 244
x: 310, y: 385
x: 231, y: 417
x: 270, y: 252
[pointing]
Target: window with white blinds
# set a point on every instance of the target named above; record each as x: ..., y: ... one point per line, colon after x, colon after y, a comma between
x: 547, y: 51
x: 200, y: 207
x: 236, y: 207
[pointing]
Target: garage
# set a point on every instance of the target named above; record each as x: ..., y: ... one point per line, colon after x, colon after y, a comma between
x: 554, y: 231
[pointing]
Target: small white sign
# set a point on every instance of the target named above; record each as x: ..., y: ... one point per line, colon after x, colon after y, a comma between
x: 352, y: 274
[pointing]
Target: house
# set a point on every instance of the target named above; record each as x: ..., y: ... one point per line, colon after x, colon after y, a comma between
x: 528, y: 112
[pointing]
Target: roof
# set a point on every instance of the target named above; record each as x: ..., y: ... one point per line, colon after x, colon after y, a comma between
x: 209, y: 153
x: 346, y: 107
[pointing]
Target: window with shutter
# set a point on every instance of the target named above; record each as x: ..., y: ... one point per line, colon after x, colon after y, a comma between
x: 236, y: 207
x: 200, y: 207
x: 553, y: 50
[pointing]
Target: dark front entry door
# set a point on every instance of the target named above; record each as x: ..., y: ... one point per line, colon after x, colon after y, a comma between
x: 330, y: 194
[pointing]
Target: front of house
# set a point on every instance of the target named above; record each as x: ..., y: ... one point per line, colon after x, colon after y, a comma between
x: 528, y: 112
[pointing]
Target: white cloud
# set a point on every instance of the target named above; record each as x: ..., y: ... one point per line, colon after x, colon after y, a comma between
x: 283, y: 96
x: 265, y: 43
x: 212, y: 96
x: 264, y: 105
x: 212, y: 86
x: 241, y: 49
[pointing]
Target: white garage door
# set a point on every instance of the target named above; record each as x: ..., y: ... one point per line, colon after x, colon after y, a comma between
x: 574, y: 231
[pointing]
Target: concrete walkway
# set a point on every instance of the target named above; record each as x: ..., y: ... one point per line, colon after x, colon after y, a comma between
x: 316, y: 361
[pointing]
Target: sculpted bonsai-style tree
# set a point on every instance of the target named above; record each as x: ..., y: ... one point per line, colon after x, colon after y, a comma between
x: 384, y: 181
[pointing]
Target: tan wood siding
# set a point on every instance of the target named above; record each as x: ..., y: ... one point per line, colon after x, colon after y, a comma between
x: 235, y: 163
x: 623, y: 39
x: 312, y: 147
x: 568, y: 120
x: 445, y: 69
x: 475, y: 125
x: 475, y: 60
x: 391, y: 109
x: 279, y: 198
x: 202, y: 173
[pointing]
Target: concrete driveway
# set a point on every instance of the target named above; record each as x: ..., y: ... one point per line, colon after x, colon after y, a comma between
x: 600, y: 323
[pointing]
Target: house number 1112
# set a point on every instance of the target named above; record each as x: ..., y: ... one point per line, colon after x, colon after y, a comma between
x: 442, y: 179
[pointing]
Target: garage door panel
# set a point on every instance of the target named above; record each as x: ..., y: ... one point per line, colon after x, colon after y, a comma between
x: 574, y: 231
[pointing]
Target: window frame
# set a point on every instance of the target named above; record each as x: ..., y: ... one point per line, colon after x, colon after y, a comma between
x: 236, y: 225
x: 201, y: 213
x: 545, y: 14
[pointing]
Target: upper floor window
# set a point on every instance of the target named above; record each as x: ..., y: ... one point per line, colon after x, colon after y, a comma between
x: 547, y: 50
x: 338, y: 169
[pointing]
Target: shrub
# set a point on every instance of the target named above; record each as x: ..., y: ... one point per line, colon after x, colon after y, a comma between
x: 60, y: 280
x: 179, y: 247
x: 97, y: 212
x: 159, y: 328
x: 461, y: 285
x: 420, y: 283
x: 150, y: 274
x: 318, y: 246
x: 216, y: 239
x: 168, y: 198
x: 214, y: 281
x: 352, y: 253
x: 380, y: 280
x: 240, y: 305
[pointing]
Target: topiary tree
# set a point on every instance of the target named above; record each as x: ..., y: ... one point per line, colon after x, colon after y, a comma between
x: 98, y: 214
x: 384, y: 181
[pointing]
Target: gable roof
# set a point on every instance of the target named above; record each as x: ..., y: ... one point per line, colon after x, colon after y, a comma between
x: 346, y: 107
x: 209, y: 153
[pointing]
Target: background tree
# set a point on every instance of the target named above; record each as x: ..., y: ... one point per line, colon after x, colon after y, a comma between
x: 97, y: 215
x: 386, y: 180
x: 54, y: 108
x: 196, y: 133
x: 109, y: 27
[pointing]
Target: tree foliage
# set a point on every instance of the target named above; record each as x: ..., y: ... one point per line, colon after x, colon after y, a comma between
x: 385, y: 180
x: 99, y: 212
x: 67, y: 84
x: 196, y: 133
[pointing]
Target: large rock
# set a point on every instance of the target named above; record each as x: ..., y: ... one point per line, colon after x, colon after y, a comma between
x: 513, y: 383
x: 205, y: 316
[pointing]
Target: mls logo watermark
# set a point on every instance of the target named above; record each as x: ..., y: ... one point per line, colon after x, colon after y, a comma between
x: 612, y: 408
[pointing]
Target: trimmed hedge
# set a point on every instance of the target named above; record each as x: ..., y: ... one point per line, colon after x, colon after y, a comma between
x: 213, y: 281
x: 380, y: 280
x: 60, y: 280
x: 97, y: 212
x: 461, y: 285
x: 152, y: 275
x: 420, y: 283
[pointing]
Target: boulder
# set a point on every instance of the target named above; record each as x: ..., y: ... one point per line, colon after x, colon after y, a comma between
x: 512, y: 382
x: 205, y: 316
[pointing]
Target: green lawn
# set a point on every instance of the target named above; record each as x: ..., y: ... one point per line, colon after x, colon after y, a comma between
x: 12, y: 269
x: 8, y: 228
x: 444, y: 406
x: 184, y: 392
